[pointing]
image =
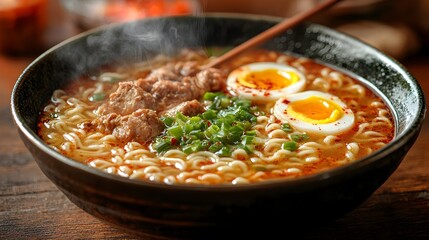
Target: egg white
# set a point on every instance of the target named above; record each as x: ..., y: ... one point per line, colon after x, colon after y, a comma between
x: 330, y: 127
x: 263, y: 95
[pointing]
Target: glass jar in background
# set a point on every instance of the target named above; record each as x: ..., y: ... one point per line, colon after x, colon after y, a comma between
x: 90, y: 14
x: 22, y: 24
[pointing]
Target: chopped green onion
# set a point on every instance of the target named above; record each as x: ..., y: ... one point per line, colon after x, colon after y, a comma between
x: 181, y: 117
x: 162, y: 144
x: 247, y: 148
x: 215, y: 147
x: 187, y: 149
x: 246, y: 140
x: 224, y: 152
x: 225, y: 126
x: 168, y: 121
x: 195, y: 146
x: 286, y: 127
x: 210, y: 96
x: 211, y: 131
x: 299, y: 137
x: 209, y: 114
x: 175, y: 131
x: 291, y: 146
x: 251, y: 133
x: 224, y: 102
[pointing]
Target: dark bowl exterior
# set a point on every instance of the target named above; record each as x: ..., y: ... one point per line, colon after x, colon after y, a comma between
x: 163, y: 211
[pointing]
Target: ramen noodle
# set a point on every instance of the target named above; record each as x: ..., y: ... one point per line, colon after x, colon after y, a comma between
x: 285, y: 138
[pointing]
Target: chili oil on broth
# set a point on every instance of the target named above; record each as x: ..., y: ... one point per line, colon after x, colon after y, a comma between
x: 62, y: 126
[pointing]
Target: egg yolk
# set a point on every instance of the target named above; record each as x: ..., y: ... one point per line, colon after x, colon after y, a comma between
x: 269, y: 79
x: 315, y: 110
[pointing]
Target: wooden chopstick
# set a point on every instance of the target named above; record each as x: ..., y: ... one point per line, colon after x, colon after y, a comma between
x: 271, y: 32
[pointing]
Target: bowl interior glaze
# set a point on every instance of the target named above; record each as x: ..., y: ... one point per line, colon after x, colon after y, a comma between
x: 162, y: 211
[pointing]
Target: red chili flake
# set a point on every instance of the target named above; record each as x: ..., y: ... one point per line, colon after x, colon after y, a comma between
x: 270, y: 84
x: 285, y: 101
x: 266, y: 94
x: 173, y: 141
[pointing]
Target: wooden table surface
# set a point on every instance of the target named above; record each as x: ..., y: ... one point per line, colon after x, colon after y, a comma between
x: 31, y: 207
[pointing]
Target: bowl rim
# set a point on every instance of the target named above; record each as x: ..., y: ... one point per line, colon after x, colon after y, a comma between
x: 339, y: 172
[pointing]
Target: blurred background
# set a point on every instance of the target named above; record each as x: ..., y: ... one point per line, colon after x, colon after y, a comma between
x: 30, y: 27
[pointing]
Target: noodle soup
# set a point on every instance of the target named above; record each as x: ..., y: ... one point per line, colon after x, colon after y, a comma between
x: 170, y: 120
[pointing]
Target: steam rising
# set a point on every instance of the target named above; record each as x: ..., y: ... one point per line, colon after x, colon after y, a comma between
x: 133, y: 41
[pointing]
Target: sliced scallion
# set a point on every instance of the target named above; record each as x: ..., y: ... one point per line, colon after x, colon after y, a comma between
x: 226, y: 125
x: 290, y: 146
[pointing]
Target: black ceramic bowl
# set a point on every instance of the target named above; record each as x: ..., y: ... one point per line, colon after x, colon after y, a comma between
x: 165, y: 211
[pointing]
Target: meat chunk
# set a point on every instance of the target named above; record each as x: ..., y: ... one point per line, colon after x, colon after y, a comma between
x: 128, y: 98
x: 140, y: 126
x: 171, y: 93
x: 166, y: 72
x: 132, y: 111
x: 189, y: 108
x: 212, y: 79
x: 145, y: 83
x: 175, y: 71
x: 164, y: 88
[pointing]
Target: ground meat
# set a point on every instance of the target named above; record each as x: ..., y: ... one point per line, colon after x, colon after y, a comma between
x: 212, y: 79
x: 126, y: 99
x: 145, y: 83
x: 189, y: 108
x: 132, y: 111
x: 175, y: 71
x: 171, y: 93
x: 140, y: 126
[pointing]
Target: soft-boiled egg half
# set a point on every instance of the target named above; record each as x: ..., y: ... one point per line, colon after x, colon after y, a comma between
x: 265, y: 81
x: 315, y: 112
